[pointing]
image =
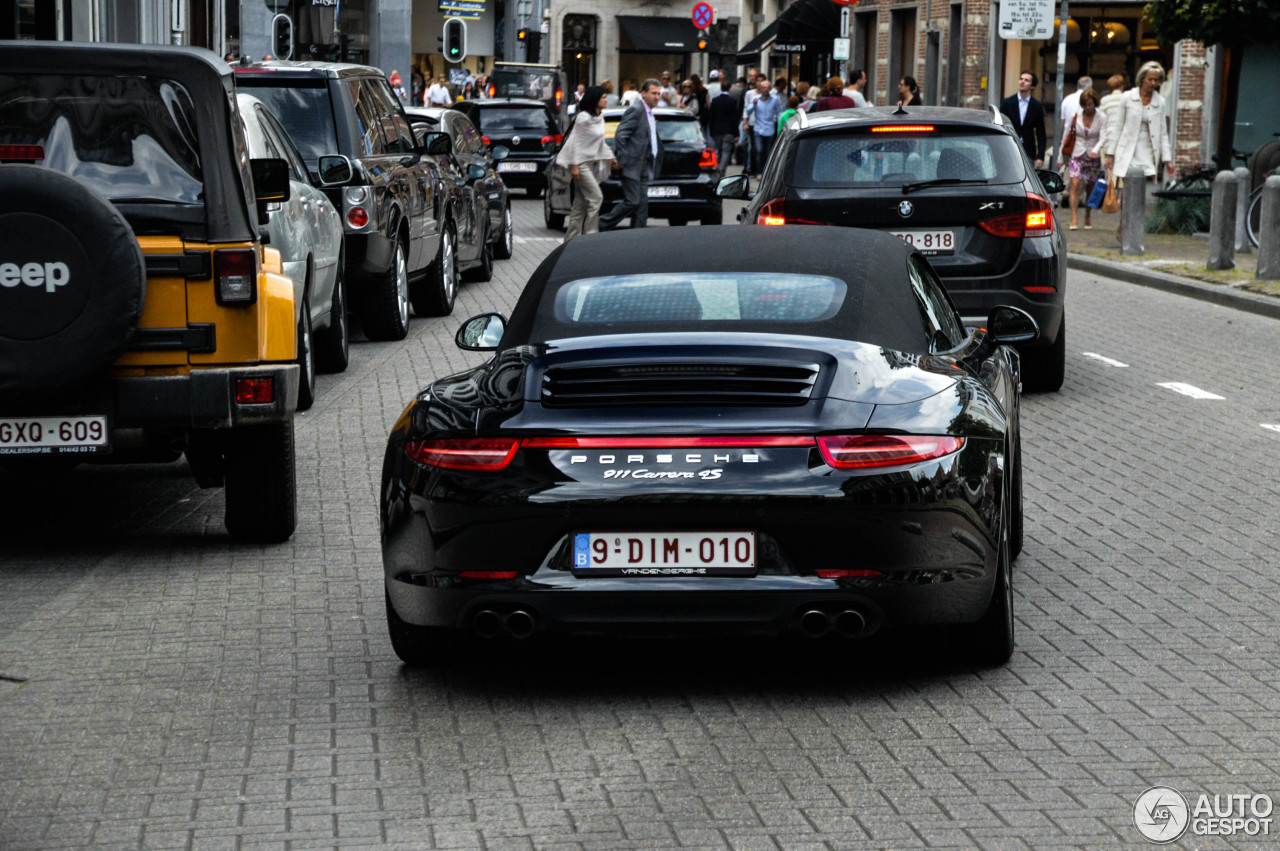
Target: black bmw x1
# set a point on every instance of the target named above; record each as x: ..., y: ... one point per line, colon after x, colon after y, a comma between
x: 953, y: 183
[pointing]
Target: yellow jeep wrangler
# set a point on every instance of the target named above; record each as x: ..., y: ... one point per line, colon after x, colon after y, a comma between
x: 140, y: 314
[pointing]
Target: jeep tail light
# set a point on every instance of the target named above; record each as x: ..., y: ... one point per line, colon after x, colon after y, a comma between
x: 557, y: 138
x: 21, y: 153
x: 1039, y: 216
x: 235, y: 270
x: 708, y: 158
x: 866, y: 451
x: 255, y: 391
x: 772, y: 213
x: 357, y: 217
x: 468, y: 453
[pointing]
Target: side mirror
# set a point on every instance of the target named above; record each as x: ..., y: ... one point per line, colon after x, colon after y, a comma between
x: 438, y: 144
x: 334, y: 170
x: 475, y: 172
x: 1009, y: 325
x: 270, y: 180
x: 499, y: 153
x: 735, y: 187
x: 1052, y: 181
x: 481, y: 333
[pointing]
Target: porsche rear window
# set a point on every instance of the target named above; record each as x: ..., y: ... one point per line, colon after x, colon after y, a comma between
x: 866, y: 160
x: 133, y: 139
x: 718, y: 298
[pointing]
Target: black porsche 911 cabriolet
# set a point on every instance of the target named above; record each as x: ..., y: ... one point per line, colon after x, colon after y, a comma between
x: 722, y: 431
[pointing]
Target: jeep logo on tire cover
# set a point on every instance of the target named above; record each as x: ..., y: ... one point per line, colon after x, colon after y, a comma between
x: 45, y: 277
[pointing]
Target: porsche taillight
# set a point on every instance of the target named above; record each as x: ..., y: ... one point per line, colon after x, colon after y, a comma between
x: 772, y: 213
x: 467, y: 453
x: 708, y: 158
x: 866, y: 451
x: 1036, y: 220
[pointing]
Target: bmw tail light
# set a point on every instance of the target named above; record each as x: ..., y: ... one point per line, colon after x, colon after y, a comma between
x: 236, y: 272
x: 866, y: 451
x: 708, y: 158
x: 772, y: 213
x: 1012, y: 226
x: 469, y: 453
x: 1039, y: 216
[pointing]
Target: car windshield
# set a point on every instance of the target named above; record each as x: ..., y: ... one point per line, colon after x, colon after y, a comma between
x: 871, y: 159
x: 680, y: 130
x: 304, y: 111
x: 513, y: 119
x: 127, y: 137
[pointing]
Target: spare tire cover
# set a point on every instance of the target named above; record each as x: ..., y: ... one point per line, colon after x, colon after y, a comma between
x: 72, y: 280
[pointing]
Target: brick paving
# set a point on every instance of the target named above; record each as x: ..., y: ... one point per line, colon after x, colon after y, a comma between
x: 165, y: 688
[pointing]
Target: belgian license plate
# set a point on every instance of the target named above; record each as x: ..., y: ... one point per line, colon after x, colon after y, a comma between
x: 929, y: 241
x: 54, y: 435
x: 664, y: 191
x: 510, y: 166
x: 665, y: 553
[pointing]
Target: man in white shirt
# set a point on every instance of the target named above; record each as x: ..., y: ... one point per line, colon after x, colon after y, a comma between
x: 438, y: 94
x: 713, y: 87
x: 667, y: 95
x: 853, y: 91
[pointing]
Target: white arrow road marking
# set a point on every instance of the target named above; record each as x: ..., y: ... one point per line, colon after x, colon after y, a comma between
x: 1271, y: 426
x: 1106, y: 360
x: 1189, y: 390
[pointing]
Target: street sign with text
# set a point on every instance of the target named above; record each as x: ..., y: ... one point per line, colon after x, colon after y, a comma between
x: 1029, y: 19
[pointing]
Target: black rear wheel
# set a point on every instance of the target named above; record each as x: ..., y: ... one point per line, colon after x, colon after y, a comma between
x: 990, y: 640
x: 435, y: 294
x: 386, y: 310
x: 306, y: 358
x: 505, y: 246
x: 1044, y: 368
x: 333, y: 344
x: 483, y: 272
x: 260, y: 484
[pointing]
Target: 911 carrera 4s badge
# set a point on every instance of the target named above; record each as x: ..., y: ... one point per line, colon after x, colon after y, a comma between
x: 648, y: 466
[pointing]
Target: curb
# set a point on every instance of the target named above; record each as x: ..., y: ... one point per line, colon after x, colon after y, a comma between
x: 1215, y: 293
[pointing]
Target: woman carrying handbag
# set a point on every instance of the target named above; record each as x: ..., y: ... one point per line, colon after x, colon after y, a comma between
x: 1141, y: 136
x: 1083, y: 146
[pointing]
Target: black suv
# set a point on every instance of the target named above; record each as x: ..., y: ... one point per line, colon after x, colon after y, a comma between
x: 526, y: 128
x: 401, y: 245
x: 954, y: 183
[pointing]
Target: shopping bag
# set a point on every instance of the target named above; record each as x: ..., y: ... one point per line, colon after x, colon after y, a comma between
x: 1111, y: 200
x: 1098, y: 194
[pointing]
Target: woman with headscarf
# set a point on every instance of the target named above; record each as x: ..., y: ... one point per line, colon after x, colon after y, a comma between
x: 588, y: 159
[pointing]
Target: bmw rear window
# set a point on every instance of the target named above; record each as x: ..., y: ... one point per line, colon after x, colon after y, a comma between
x: 721, y: 298
x: 304, y: 110
x: 866, y: 159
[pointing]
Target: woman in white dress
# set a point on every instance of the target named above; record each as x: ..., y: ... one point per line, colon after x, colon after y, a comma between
x: 588, y: 159
x: 1140, y: 134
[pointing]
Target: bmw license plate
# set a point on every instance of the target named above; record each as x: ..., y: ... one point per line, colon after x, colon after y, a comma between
x: 665, y: 553
x: 929, y: 242
x: 664, y: 191
x: 510, y: 166
x: 54, y: 435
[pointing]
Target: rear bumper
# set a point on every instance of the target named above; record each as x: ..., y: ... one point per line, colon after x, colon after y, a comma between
x: 369, y: 256
x: 205, y: 398
x: 1039, y: 266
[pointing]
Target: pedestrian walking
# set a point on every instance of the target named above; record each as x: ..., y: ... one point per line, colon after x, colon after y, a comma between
x: 723, y: 126
x: 1110, y: 104
x: 669, y: 95
x: 1084, y: 162
x: 417, y: 86
x: 909, y: 92
x: 793, y: 105
x: 857, y: 80
x: 610, y: 97
x: 438, y: 94
x: 1140, y: 134
x: 832, y: 96
x: 762, y: 117
x: 587, y: 157
x: 1027, y: 116
x: 638, y: 150
x: 397, y: 86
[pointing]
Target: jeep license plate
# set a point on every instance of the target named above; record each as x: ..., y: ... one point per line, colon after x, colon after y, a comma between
x: 54, y: 435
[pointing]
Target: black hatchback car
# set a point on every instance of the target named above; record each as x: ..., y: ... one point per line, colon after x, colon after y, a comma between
x: 401, y: 239
x: 684, y: 189
x: 955, y: 184
x: 526, y: 128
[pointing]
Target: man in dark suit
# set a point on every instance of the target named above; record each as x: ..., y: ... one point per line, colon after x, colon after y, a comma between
x: 639, y: 150
x: 1027, y: 115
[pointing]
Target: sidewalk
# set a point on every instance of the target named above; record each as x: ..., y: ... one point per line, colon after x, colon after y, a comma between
x: 1173, y: 263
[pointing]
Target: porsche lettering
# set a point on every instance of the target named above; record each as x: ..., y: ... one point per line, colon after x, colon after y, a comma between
x: 667, y: 458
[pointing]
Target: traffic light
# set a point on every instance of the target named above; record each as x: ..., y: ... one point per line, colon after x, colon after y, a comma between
x: 455, y: 40
x: 282, y: 36
x: 522, y: 35
x: 702, y: 41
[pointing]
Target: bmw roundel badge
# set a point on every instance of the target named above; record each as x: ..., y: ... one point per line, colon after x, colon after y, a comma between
x: 905, y: 209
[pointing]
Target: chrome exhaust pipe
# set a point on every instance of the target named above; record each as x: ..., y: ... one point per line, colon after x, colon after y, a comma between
x: 519, y: 624
x: 814, y: 623
x: 851, y: 624
x: 487, y: 624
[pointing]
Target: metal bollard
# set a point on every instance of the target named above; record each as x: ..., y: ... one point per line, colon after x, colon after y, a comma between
x: 1222, y: 221
x: 1269, y: 231
x: 1133, y: 212
x: 1243, y: 246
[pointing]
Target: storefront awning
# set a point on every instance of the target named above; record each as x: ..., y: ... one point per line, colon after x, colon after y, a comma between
x: 809, y: 21
x: 749, y: 51
x: 658, y: 35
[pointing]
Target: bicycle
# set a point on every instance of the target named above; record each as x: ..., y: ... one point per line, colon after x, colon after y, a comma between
x: 1265, y: 157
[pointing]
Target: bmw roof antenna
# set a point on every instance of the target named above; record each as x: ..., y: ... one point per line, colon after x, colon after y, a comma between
x: 901, y: 110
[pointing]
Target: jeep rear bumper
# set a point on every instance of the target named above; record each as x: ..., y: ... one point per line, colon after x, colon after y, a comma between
x: 205, y: 398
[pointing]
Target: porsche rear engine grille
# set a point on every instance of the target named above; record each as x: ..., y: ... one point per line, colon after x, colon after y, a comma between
x: 756, y: 385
